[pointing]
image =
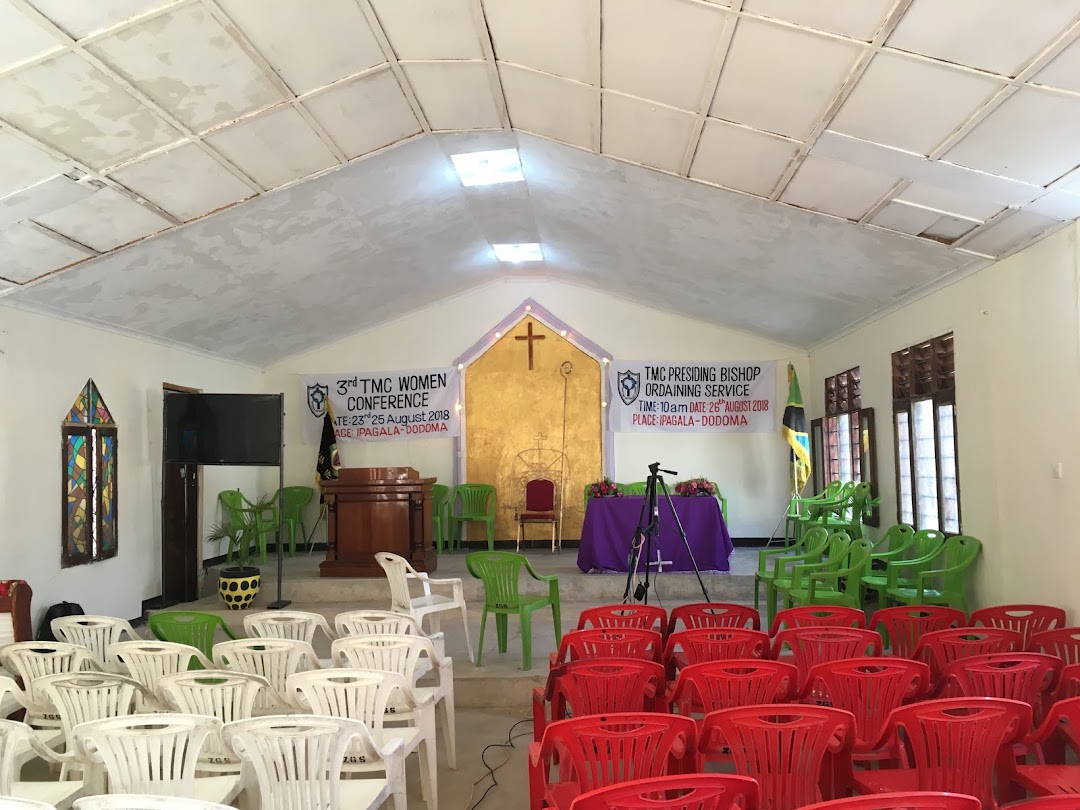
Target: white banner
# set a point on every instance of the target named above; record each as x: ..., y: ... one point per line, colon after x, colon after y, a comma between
x: 383, y: 405
x: 694, y: 397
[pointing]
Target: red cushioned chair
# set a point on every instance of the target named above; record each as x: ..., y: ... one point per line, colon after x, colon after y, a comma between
x: 798, y: 754
x: 609, y: 642
x: 817, y: 616
x: 605, y: 749
x: 810, y: 646
x: 713, y: 614
x: 712, y: 644
x: 712, y: 791
x: 951, y: 745
x: 15, y: 599
x: 941, y: 647
x: 903, y: 626
x: 1028, y: 619
x: 909, y: 800
x: 711, y: 685
x: 599, y: 686
x: 539, y: 508
x: 647, y: 617
x: 1062, y: 725
x: 1064, y: 642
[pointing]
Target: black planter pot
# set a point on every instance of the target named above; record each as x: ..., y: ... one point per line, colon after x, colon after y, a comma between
x: 238, y: 585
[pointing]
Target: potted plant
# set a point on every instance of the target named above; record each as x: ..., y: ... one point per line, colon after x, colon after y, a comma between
x: 238, y: 583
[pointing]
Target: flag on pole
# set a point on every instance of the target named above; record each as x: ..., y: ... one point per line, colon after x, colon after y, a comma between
x: 328, y: 463
x: 794, y: 430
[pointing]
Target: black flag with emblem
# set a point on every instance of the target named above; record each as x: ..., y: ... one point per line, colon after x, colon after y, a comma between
x: 328, y: 464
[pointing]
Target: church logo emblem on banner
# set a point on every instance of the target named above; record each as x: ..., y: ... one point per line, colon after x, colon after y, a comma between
x: 629, y: 386
x: 316, y: 399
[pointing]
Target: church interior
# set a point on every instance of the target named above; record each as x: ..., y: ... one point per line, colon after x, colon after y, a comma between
x: 566, y: 359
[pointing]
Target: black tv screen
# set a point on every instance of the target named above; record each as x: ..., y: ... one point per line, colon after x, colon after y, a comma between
x: 222, y: 428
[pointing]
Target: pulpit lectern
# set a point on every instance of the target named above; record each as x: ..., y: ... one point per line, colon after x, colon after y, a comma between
x: 370, y: 509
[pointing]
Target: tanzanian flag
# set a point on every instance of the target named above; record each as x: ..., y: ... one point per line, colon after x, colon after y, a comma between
x: 794, y: 430
x: 328, y: 463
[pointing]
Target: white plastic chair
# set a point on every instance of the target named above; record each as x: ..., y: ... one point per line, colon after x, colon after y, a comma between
x: 15, y: 739
x: 31, y: 660
x: 399, y: 572
x: 128, y: 801
x: 153, y: 753
x: 403, y: 654
x: 149, y: 661
x: 224, y: 694
x: 387, y: 623
x: 298, y: 625
x: 273, y: 658
x: 296, y: 762
x: 96, y: 633
x: 10, y: 803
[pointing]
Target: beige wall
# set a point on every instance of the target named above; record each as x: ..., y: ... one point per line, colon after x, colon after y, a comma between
x: 1018, y: 395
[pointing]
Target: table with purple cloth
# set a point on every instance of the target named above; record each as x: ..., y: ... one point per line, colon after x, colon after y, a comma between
x: 610, y: 524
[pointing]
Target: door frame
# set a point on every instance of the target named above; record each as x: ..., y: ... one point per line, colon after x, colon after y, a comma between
x: 166, y: 387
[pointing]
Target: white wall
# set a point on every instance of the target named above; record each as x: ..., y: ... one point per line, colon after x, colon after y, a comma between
x: 43, y: 365
x: 1017, y: 390
x: 751, y: 469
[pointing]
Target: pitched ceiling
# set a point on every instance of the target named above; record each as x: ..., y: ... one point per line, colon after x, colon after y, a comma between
x: 942, y: 131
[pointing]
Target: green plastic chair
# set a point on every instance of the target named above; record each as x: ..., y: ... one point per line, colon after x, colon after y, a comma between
x: 850, y: 516
x: 794, y: 522
x: 294, y: 500
x: 440, y: 499
x: 835, y: 582
x: 585, y: 508
x: 636, y: 488
x: 191, y: 627
x: 477, y: 505
x: 818, y: 510
x: 723, y: 506
x: 835, y: 553
x: 256, y: 524
x: 939, y: 579
x: 903, y: 543
x: 499, y: 571
x: 810, y: 547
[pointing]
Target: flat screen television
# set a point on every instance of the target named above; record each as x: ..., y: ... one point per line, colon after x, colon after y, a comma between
x: 243, y: 429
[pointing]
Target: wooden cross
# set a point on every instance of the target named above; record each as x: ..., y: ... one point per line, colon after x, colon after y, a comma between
x: 530, y: 337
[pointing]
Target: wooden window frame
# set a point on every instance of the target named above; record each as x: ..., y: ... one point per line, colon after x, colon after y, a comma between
x: 843, y: 395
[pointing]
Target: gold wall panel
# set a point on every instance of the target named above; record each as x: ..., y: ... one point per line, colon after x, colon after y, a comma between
x: 514, y: 424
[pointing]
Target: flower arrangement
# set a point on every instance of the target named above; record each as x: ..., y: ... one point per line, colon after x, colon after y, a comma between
x: 605, y: 488
x: 695, y: 487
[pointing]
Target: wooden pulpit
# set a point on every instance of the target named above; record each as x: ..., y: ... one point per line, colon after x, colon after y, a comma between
x: 370, y: 509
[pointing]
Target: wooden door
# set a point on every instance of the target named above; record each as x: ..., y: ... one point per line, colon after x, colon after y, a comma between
x: 179, y: 529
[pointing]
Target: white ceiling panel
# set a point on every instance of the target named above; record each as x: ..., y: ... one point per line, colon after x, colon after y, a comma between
x: 365, y: 114
x: 741, y: 158
x: 948, y: 229
x: 430, y: 29
x: 21, y: 38
x: 1032, y: 136
x: 1063, y: 71
x: 1001, y: 36
x: 781, y: 79
x: 836, y: 188
x: 73, y: 107
x: 549, y: 106
x: 644, y: 133
x: 274, y: 149
x: 29, y: 253
x: 80, y: 19
x: 660, y: 49
x: 186, y: 62
x: 1010, y: 232
x: 944, y: 200
x: 186, y: 182
x: 891, y: 105
x: 553, y: 36
x: 1061, y: 205
x: 32, y: 202
x: 23, y: 165
x: 454, y: 95
x: 859, y: 19
x: 104, y: 220
x: 309, y: 44
x: 909, y: 219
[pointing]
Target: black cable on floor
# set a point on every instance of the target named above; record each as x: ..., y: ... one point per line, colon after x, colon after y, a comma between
x: 510, y: 737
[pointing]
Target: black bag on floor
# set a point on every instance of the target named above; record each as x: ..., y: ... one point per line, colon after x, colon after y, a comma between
x: 45, y: 632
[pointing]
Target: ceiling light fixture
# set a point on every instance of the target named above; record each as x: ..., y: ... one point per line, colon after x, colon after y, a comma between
x: 528, y: 252
x: 486, y: 168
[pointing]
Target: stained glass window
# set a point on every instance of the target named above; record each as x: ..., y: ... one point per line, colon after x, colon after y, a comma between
x: 89, y: 468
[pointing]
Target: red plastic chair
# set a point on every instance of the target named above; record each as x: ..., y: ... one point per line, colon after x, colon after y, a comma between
x: 909, y: 800
x: 706, y: 687
x: 595, y: 751
x: 614, y: 642
x: 713, y: 614
x: 1027, y: 677
x: 599, y: 686
x: 1062, y: 725
x: 903, y: 626
x: 949, y: 745
x: 1064, y: 642
x: 1069, y: 683
x: 1061, y: 802
x: 713, y: 791
x: 798, y: 754
x: 712, y: 644
x: 815, y: 645
x: 941, y: 647
x: 1028, y: 619
x: 646, y: 617
x: 817, y: 616
x: 869, y: 688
